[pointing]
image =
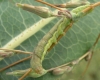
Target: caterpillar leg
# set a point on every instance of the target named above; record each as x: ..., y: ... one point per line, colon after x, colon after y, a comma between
x: 15, y: 63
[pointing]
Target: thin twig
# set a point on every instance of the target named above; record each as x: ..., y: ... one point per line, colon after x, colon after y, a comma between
x: 25, y: 74
x: 17, y: 51
x: 82, y: 57
x: 15, y: 63
x: 91, y: 7
x: 51, y: 5
x: 91, y: 52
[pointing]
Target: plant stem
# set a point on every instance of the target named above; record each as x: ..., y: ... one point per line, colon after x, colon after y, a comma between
x: 27, y: 33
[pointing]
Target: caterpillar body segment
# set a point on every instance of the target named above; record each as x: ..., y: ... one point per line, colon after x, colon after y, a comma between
x: 79, y: 9
x: 46, y: 42
x: 51, y: 37
x: 77, y: 12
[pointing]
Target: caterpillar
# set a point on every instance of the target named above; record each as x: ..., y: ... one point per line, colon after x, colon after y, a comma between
x: 51, y: 37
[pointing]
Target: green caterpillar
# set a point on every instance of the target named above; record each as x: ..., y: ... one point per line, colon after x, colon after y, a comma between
x: 52, y: 35
x: 50, y: 38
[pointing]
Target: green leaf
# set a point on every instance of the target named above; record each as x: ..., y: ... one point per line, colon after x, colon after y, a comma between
x: 77, y: 41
